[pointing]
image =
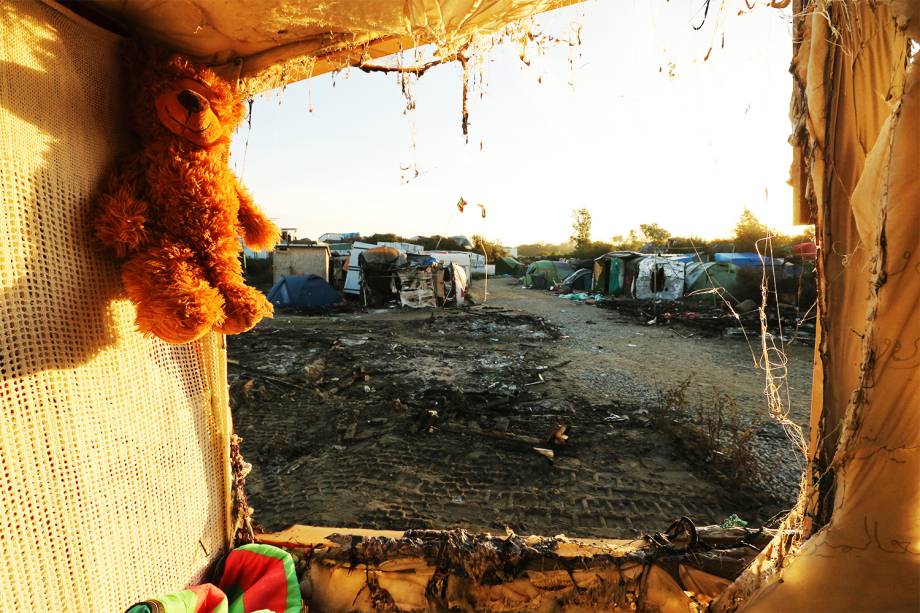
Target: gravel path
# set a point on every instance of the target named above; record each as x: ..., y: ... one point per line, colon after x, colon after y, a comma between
x: 619, y: 358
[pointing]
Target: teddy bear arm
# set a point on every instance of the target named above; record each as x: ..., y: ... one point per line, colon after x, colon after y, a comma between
x: 258, y: 231
x: 122, y: 217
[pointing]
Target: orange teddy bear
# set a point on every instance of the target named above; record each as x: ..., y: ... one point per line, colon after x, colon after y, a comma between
x: 174, y: 211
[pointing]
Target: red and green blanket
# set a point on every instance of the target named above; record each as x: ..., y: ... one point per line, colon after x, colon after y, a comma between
x: 255, y: 578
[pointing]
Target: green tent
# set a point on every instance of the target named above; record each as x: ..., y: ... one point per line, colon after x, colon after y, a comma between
x: 701, y: 278
x: 507, y: 265
x: 544, y: 273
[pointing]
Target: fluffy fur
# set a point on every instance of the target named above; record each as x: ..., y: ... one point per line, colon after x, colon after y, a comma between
x: 173, y: 211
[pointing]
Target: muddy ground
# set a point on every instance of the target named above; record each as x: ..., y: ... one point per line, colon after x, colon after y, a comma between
x: 398, y: 419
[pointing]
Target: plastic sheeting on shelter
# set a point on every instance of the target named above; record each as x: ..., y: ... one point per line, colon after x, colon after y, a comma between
x: 747, y: 259
x: 659, y: 278
x: 459, y: 283
x: 508, y: 265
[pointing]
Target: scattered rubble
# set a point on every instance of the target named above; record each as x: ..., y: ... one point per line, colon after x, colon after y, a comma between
x: 744, y: 320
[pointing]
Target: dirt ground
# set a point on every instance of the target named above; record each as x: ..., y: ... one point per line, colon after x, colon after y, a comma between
x: 397, y: 419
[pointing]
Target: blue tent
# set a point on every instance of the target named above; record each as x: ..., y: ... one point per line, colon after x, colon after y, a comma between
x: 747, y: 260
x: 303, y: 292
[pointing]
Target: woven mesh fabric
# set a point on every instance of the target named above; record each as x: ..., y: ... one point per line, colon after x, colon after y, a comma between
x: 113, y: 447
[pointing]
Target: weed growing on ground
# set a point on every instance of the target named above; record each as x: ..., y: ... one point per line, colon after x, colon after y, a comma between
x: 709, y: 428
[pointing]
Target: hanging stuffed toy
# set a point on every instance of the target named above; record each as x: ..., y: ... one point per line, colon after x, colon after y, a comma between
x: 173, y: 211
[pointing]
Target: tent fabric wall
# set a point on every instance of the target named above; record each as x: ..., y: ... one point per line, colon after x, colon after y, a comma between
x: 858, y: 112
x: 703, y: 277
x: 615, y: 276
x: 114, y: 472
x: 608, y: 275
x: 849, y: 97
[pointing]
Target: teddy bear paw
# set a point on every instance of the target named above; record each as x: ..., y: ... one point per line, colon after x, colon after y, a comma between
x: 244, y: 307
x: 177, y: 313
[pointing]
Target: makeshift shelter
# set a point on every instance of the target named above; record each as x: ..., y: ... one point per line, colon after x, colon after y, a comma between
x: 614, y: 272
x: 544, y: 274
x: 118, y: 447
x: 295, y: 259
x: 580, y: 263
x: 303, y: 292
x: 508, y: 265
x: 659, y: 278
x: 379, y: 266
x: 712, y: 282
x: 352, y: 284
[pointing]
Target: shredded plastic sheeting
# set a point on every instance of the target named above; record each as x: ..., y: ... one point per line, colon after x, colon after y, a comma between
x: 269, y: 43
x: 113, y: 446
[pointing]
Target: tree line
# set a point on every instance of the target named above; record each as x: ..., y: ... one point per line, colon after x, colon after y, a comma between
x: 652, y: 238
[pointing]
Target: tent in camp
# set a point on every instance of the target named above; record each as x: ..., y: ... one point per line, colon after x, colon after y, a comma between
x: 702, y: 278
x: 508, y: 265
x: 659, y: 278
x: 543, y: 274
x: 614, y: 272
x: 582, y: 280
x: 747, y: 260
x: 303, y: 292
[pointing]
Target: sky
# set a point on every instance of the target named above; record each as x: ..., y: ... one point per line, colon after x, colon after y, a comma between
x: 634, y: 124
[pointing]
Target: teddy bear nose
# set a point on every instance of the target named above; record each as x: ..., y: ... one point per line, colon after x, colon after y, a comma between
x: 192, y: 101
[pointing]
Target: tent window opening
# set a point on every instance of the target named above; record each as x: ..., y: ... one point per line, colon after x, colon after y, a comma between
x: 657, y: 279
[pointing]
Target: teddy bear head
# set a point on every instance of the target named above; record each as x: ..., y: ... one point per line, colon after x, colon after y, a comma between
x: 173, y: 98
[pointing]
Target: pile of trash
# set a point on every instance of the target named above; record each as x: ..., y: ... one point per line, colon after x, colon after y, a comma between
x: 414, y: 280
x: 784, y: 322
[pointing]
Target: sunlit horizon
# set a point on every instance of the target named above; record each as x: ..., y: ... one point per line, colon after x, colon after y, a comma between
x: 634, y: 124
